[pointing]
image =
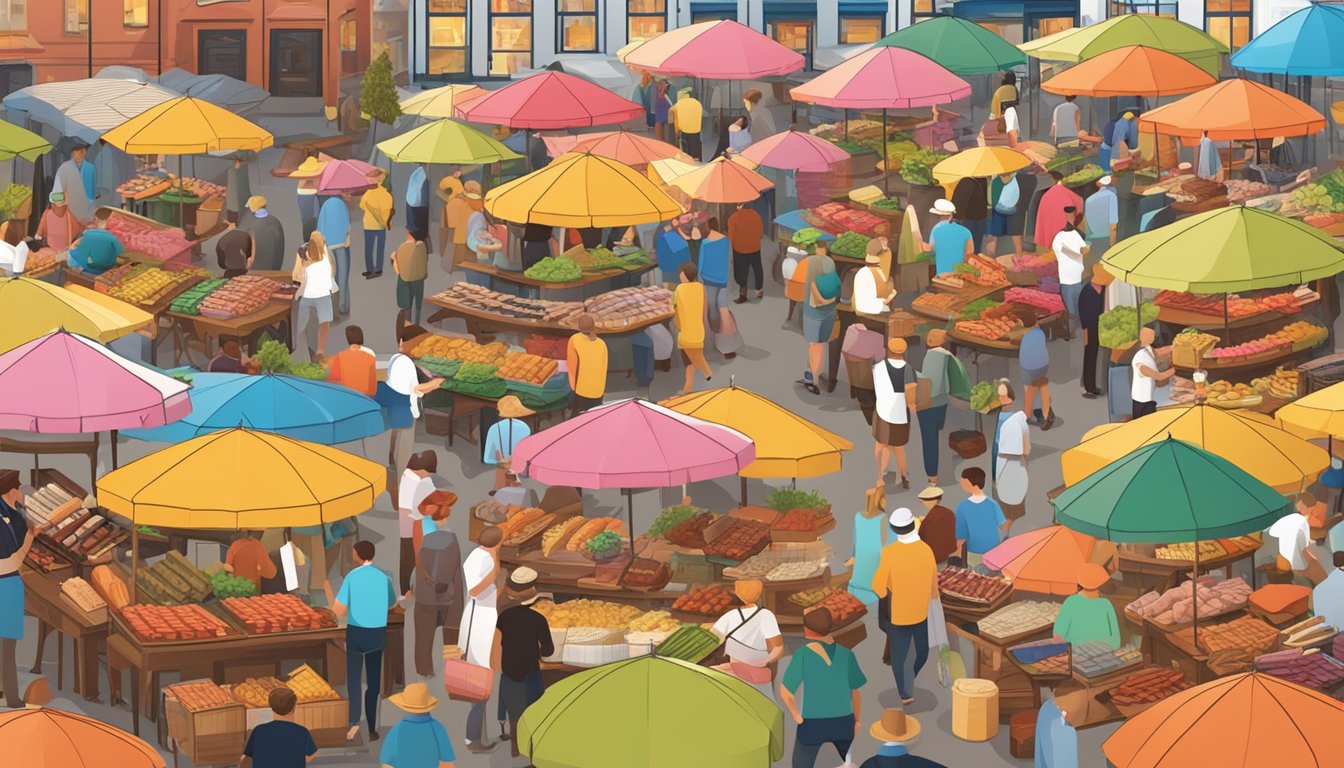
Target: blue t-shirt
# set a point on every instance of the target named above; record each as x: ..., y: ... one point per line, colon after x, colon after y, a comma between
x: 418, y: 741
x: 89, y: 175
x: 978, y: 524
x: 949, y: 240
x: 279, y: 744
x: 714, y: 257
x: 1033, y: 355
x: 416, y: 187
x: 369, y: 594
x: 503, y: 437
x: 333, y: 221
x: 97, y: 251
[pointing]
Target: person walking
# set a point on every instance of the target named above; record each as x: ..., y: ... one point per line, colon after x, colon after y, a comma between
x: 503, y: 437
x: 16, y: 538
x: 762, y: 123
x: 821, y: 294
x: 981, y: 523
x: 476, y: 628
x: 1091, y: 304
x: 829, y: 679
x: 378, y: 210
x: 662, y: 107
x: 280, y: 743
x: 522, y: 637
x: 688, y: 302
x: 870, y: 536
x: 895, y: 386
x: 234, y: 251
x: 687, y: 116
x: 1005, y: 196
x: 268, y: 235
x: 751, y: 637
x: 970, y: 195
x: 316, y: 276
x: 1050, y: 214
x: 415, y: 484
x: 453, y: 233
x: 873, y: 292
x: 410, y: 262
x: 333, y: 221
x: 400, y: 397
x: 438, y: 586
x: 897, y: 731
x: 907, y: 573
x: 1070, y: 249
x: 940, y: 366
x: 1101, y: 217
x: 417, y: 740
x: 938, y: 527
x: 1056, y: 742
x: 713, y: 261
x: 1033, y: 357
x: 417, y: 203
x: 366, y: 595
x: 586, y: 361
x: 1012, y: 446
x: 238, y: 188
x: 1146, y: 376
x: 745, y: 231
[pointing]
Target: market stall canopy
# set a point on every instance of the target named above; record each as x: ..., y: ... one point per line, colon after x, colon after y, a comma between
x: 787, y: 445
x: 664, y: 171
x: 342, y: 177
x: 959, y: 45
x: 441, y: 101
x: 1249, y: 719
x: 84, y: 109
x: 883, y: 78
x: 1226, y: 250
x: 582, y: 190
x: 1134, y: 70
x: 299, y: 408
x: 632, y: 149
x: 712, y: 50
x: 722, y: 181
x: 1173, y: 36
x: 1167, y: 492
x: 43, y: 737
x: 795, y: 151
x: 980, y: 162
x: 240, y: 479
x: 62, y: 383
x: 1283, y: 461
x: 632, y: 444
x: 1234, y: 110
x: 21, y: 142
x: 31, y: 308
x: 1319, y: 414
x: 1306, y: 42
x: 1046, y: 560
x: 653, y: 712
x: 186, y: 126
x: 220, y: 90
x: 549, y: 101
x: 448, y: 142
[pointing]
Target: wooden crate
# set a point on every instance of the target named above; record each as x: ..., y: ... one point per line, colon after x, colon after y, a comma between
x: 211, y: 737
x: 323, y: 715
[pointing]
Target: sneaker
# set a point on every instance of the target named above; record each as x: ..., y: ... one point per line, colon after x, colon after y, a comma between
x: 1089, y: 395
x: 480, y: 748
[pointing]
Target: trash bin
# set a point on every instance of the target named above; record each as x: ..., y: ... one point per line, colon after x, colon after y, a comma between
x: 975, y: 709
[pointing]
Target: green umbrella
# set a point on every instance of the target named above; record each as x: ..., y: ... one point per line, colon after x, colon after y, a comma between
x: 960, y: 46
x: 20, y: 142
x: 445, y: 141
x: 1082, y: 43
x: 651, y: 712
x: 1226, y: 250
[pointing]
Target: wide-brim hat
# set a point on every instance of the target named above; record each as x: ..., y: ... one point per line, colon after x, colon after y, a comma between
x: 510, y: 407
x: 414, y: 698
x: 895, y: 726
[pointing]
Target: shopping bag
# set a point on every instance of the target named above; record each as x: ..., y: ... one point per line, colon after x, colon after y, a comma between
x: 463, y: 680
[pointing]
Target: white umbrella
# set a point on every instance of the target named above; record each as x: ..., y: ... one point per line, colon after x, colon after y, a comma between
x: 85, y: 109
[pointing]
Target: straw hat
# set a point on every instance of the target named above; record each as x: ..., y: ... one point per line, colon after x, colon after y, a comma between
x: 523, y: 581
x: 931, y: 493
x: 415, y: 699
x: 510, y: 407
x: 748, y: 590
x: 1092, y: 576
x: 1100, y: 276
x: 942, y: 207
x: 895, y: 726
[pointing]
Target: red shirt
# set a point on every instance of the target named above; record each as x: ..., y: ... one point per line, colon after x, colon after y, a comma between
x: 745, y: 231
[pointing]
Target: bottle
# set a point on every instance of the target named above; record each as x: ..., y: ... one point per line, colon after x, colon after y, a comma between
x: 1201, y: 386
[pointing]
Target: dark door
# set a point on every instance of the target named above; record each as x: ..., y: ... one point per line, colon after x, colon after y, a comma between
x: 14, y: 77
x: 296, y: 62
x: 222, y: 52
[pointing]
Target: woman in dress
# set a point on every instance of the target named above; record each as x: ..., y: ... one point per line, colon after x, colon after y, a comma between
x: 1012, y: 445
x: 870, y: 536
x: 316, y: 275
x: 688, y: 301
x: 819, y: 304
x: 476, y: 629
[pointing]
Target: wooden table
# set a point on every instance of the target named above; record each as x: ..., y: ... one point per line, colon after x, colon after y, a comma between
x: 57, y: 613
x: 36, y: 446
x: 602, y: 281
x: 273, y: 318
x: 481, y: 323
x: 1160, y: 573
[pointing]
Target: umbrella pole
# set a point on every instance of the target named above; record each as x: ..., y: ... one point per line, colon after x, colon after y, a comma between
x: 846, y: 124
x: 135, y: 558
x: 886, y: 167
x: 181, y: 192
x: 744, y: 490
x: 114, y: 449
x: 1194, y: 596
x: 630, y: 514
x: 1227, y: 330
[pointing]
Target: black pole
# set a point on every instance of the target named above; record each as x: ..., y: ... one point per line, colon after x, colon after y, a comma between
x: 89, y: 23
x: 886, y: 166
x: 158, y: 30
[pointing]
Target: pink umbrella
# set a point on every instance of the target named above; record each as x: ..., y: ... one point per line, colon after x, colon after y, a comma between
x: 625, y: 147
x: 722, y: 181
x: 883, y: 78
x: 714, y: 50
x: 795, y: 151
x: 341, y: 177
x: 550, y: 100
x: 1045, y: 560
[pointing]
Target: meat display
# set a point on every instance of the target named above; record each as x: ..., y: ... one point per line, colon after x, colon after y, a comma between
x: 240, y: 296
x: 41, y: 558
x: 992, y: 329
x: 801, y: 520
x: 163, y: 243
x: 167, y: 623
x: 711, y: 600
x: 647, y: 574
x: 743, y: 539
x: 1149, y: 686
x: 267, y: 614
x: 1044, y: 303
x: 1019, y: 618
x: 837, y: 218
x: 1237, y: 307
x: 1177, y: 606
x: 611, y: 311
x: 842, y: 605
x: 628, y: 306
x: 691, y: 533
x: 200, y: 695
x: 1311, y: 668
x: 974, y: 587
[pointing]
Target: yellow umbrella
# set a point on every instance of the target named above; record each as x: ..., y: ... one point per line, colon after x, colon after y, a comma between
x: 440, y: 102
x: 1320, y: 414
x: 582, y: 190
x: 979, y: 162
x: 1251, y: 441
x: 186, y: 126
x: 664, y: 171
x: 242, y: 479
x: 32, y: 308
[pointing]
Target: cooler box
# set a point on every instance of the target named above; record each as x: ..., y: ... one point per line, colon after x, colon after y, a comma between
x: 975, y: 709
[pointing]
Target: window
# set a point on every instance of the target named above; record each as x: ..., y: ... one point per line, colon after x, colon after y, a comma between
x: 510, y: 36
x: 576, y: 24
x: 76, y: 17
x: 1229, y: 21
x: 923, y: 9
x: 1149, y: 7
x: 347, y: 32
x: 794, y: 34
x: 135, y: 13
x: 861, y: 29
x: 645, y: 18
x: 14, y: 16
x: 447, y: 33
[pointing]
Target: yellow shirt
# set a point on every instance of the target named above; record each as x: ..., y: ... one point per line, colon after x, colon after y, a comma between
x: 455, y: 215
x: 587, y: 361
x: 689, y: 301
x: 687, y: 114
x: 901, y: 570
x: 377, y: 207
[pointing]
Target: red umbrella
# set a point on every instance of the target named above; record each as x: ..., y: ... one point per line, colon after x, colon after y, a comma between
x: 883, y: 78
x: 714, y: 50
x: 549, y: 101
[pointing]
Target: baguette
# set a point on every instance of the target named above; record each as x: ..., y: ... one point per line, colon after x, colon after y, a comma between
x: 1304, y: 624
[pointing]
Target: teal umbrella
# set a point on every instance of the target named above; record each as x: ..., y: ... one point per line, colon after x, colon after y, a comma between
x: 960, y: 46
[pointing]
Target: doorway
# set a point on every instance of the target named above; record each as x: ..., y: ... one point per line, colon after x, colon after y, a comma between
x: 222, y: 52
x: 296, y: 62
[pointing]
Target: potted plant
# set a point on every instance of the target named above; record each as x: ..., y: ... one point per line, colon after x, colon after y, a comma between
x: 604, y: 547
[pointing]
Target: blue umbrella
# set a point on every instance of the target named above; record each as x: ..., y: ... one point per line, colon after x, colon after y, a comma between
x: 304, y: 409
x: 1307, y: 42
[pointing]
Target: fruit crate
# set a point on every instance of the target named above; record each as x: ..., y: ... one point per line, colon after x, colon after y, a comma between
x: 209, y: 737
x: 326, y: 720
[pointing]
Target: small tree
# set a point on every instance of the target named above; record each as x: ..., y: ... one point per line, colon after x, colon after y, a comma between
x: 378, y: 93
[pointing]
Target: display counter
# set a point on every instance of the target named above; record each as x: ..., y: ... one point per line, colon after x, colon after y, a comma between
x: 205, y: 332
x: 486, y: 312
x: 591, y: 284
x: 56, y: 612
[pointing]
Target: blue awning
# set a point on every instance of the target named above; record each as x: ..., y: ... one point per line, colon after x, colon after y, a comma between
x: 713, y: 7
x: 790, y: 10
x: 1007, y: 10
x: 865, y: 7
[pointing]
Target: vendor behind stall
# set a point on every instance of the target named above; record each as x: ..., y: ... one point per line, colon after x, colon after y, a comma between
x: 949, y: 241
x: 96, y: 250
x: 16, y: 538
x: 58, y: 226
x: 248, y: 559
x: 268, y: 235
x: 1087, y: 616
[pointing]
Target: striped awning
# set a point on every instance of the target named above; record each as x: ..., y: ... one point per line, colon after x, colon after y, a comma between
x: 85, y: 109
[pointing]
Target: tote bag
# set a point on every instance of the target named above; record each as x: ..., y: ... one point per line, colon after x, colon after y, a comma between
x: 463, y: 680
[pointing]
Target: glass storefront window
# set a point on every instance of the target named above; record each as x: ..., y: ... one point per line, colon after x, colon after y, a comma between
x: 795, y: 34
x: 447, y: 49
x: 1229, y: 21
x: 855, y: 30
x: 645, y: 18
x: 1149, y: 7
x: 510, y: 43
x: 576, y: 23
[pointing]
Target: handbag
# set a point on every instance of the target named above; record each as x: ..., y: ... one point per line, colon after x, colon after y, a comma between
x: 463, y: 680
x: 828, y: 284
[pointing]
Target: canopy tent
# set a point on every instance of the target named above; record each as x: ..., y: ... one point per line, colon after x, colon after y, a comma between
x: 298, y: 408
x: 1134, y: 70
x: 1170, y: 35
x: 31, y: 308
x: 645, y: 707
x: 20, y: 142
x: 1286, y: 463
x: 582, y: 190
x: 1319, y: 414
x: 1232, y: 110
x: 980, y: 162
x: 448, y: 142
x: 961, y: 46
x: 43, y: 737
x: 440, y: 102
x: 220, y: 90
x: 1306, y: 42
x: 722, y: 181
x: 549, y: 101
x: 84, y: 109
x: 794, y: 151
x: 1046, y: 560
x: 712, y: 50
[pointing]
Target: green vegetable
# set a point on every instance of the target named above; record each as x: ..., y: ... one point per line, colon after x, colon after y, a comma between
x: 228, y: 585
x: 475, y: 373
x: 807, y: 236
x: 12, y: 198
x: 888, y: 204
x: 1118, y: 328
x: 672, y: 517
x: 307, y: 370
x: 273, y: 357
x: 981, y: 395
x: 689, y: 643
x: 785, y: 499
x: 554, y: 270
x: 962, y: 268
x: 850, y: 244
x: 1090, y: 172
x: 604, y: 543
x: 973, y: 310
x: 917, y: 167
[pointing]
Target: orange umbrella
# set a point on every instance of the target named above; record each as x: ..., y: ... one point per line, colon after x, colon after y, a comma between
x: 1136, y: 70
x: 1245, y: 720
x: 722, y: 181
x: 1235, y: 110
x: 625, y: 147
x: 1046, y: 560
x: 53, y: 738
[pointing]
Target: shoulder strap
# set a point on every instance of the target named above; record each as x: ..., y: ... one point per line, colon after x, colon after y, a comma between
x: 742, y: 624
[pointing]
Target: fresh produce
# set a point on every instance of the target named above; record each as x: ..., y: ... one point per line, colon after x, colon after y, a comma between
x: 654, y: 621
x: 743, y: 539
x: 1310, y: 668
x: 810, y: 597
x: 982, y: 394
x: 1271, y: 343
x: 644, y: 573
x: 1283, y: 383
x: 174, y: 580
x: 1044, y: 303
x: 1239, y: 190
x: 710, y: 600
x: 146, y: 237
x: 12, y: 199
x: 939, y: 305
x: 477, y: 373
x: 463, y: 350
x: 591, y: 528
x: 596, y: 259
x: 1324, y: 194
x: 605, y: 543
x: 842, y: 605
x: 1149, y: 685
x: 973, y: 310
x: 242, y: 295
x: 148, y: 285
x: 691, y: 532
x: 110, y: 587
x: 554, y: 270
x: 807, y: 236
x: 785, y: 499
x: 587, y: 613
x: 801, y: 520
x: 689, y: 643
x: 968, y: 585
x: 200, y: 696
x: 888, y: 204
x: 166, y: 623
x: 671, y: 517
x: 917, y: 167
x: 227, y: 585
x: 255, y: 692
x: 82, y: 594
x: 1096, y: 658
x: 991, y: 329
x: 556, y: 534
x: 1018, y: 618
x: 850, y: 245
x: 1118, y: 328
x: 1177, y: 605
x: 272, y: 613
x: 1089, y: 173
x: 307, y: 685
x: 838, y: 218
x: 527, y: 368
x: 189, y: 301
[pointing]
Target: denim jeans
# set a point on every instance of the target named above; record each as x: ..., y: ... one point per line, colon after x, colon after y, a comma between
x: 342, y: 258
x: 364, y: 647
x: 374, y: 242
x: 1070, y: 294
x: 901, y: 637
x: 931, y: 423
x: 308, y: 208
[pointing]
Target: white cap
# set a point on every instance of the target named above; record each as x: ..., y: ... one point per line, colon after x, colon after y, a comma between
x: 901, y: 517
x: 1105, y: 181
x: 943, y: 207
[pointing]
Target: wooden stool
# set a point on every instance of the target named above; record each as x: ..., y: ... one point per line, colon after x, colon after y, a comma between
x: 1022, y: 734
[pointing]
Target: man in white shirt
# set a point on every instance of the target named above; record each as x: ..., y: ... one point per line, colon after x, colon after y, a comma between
x: 1293, y: 534
x: 872, y: 286
x: 894, y: 386
x: 1145, y: 375
x: 1067, y: 122
x: 1069, y: 247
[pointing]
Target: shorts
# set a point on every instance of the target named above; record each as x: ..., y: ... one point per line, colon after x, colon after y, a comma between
x: 893, y: 435
x: 817, y: 327
x: 320, y: 306
x: 1036, y: 377
x: 1000, y: 224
